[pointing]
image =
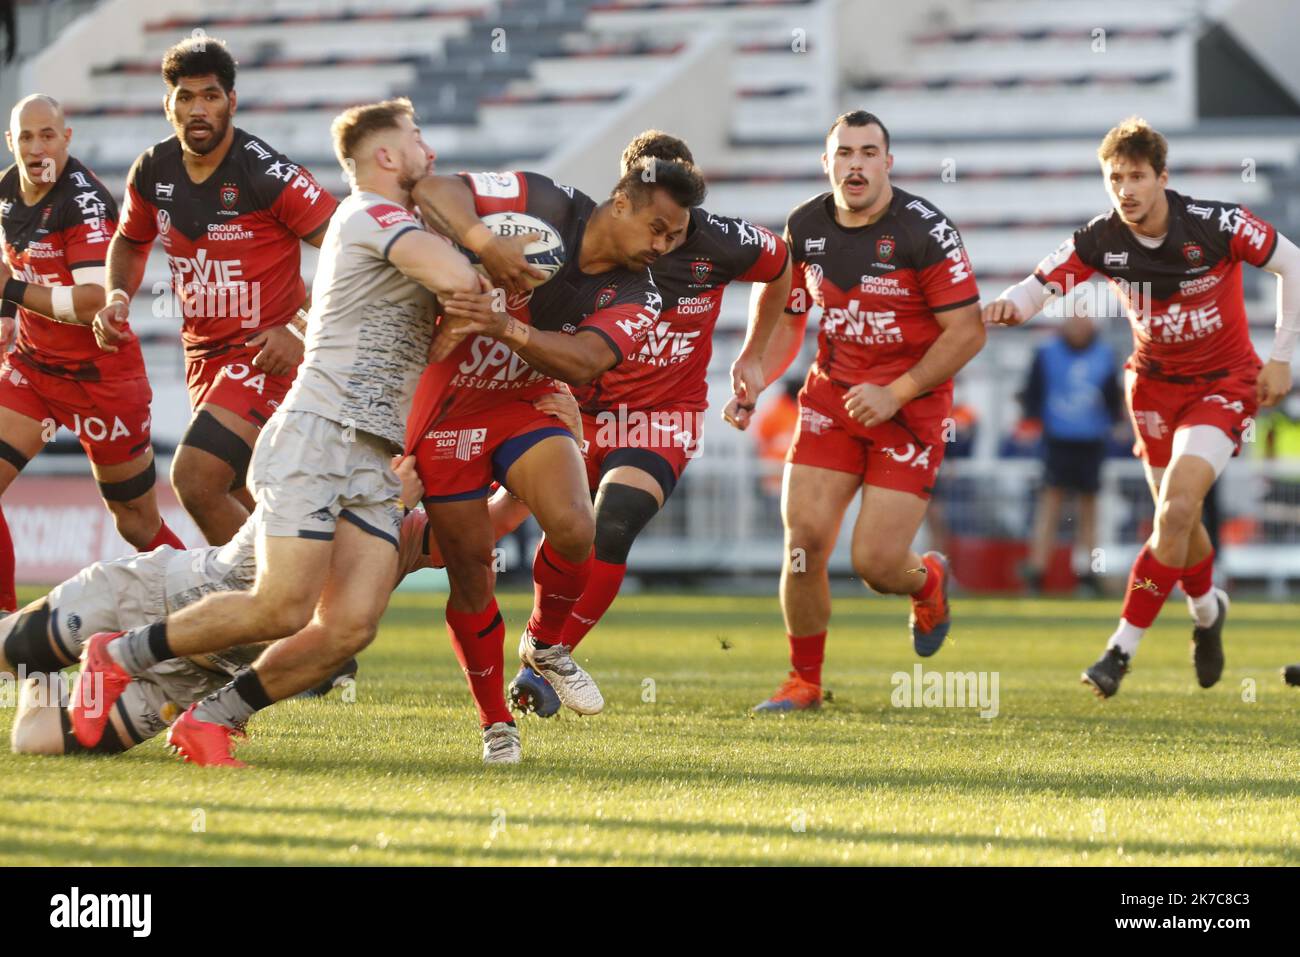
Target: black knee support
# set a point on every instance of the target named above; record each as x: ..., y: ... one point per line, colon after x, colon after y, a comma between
x: 30, y: 645
x: 206, y: 433
x: 129, y: 489
x: 110, y: 743
x: 652, y: 463
x: 621, y: 512
x: 13, y: 456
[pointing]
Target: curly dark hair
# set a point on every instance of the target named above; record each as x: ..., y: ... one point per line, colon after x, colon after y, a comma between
x: 199, y: 56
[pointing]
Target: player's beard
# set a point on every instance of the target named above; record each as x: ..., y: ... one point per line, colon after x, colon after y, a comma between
x: 218, y: 127
x: 413, y: 174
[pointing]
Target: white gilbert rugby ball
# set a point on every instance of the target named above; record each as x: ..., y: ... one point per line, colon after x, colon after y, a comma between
x: 547, y: 253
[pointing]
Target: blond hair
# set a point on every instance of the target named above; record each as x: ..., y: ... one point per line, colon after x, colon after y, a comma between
x: 351, y: 127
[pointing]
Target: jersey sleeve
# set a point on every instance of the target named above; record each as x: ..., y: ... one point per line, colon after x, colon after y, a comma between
x: 1068, y: 264
x: 89, y: 219
x: 139, y: 222
x: 943, y: 269
x: 627, y: 320
x: 762, y: 253
x: 376, y: 227
x: 1253, y: 239
x: 304, y: 206
x: 497, y: 192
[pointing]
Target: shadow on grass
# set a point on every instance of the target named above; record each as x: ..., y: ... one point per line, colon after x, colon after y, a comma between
x: 216, y: 847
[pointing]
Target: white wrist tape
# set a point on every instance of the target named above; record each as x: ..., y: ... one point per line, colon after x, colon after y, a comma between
x: 1285, y: 264
x: 61, y: 300
x: 1029, y: 296
x: 119, y: 294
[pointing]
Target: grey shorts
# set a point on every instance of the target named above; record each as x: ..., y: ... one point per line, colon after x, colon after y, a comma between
x: 158, y: 697
x: 308, y: 472
x: 110, y: 596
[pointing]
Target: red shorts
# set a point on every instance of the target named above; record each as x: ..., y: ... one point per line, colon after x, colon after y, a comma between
x: 1158, y: 409
x: 461, y: 457
x: 659, y: 442
x: 903, y: 454
x: 231, y: 381
x: 111, y: 418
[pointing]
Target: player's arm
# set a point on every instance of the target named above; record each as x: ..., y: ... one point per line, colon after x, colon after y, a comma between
x: 759, y: 364
x: 962, y: 337
x: 76, y: 304
x: 125, y: 271
x: 1017, y: 304
x: 576, y: 359
x: 1065, y: 268
x: 128, y: 252
x: 447, y: 204
x: 564, y: 407
x: 1275, y: 378
x: 432, y: 262
x: 317, y: 236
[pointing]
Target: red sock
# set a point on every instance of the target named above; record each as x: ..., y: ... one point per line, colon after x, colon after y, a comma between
x: 8, y: 597
x: 806, y: 656
x: 479, y: 640
x: 602, y: 588
x: 558, y: 584
x: 1149, y: 584
x: 165, y: 536
x: 931, y: 582
x: 1199, y: 578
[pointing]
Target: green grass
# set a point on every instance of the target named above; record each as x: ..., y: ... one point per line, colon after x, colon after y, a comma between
x: 1164, y: 773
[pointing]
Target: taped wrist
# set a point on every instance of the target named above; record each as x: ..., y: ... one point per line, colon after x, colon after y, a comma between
x: 14, y: 291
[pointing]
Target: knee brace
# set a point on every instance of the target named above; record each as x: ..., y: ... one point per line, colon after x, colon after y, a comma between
x: 129, y: 489
x: 621, y: 512
x: 208, y: 434
x: 30, y: 644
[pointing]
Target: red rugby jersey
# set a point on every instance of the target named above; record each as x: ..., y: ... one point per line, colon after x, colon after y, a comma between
x: 70, y: 227
x: 671, y: 367
x: 878, y: 286
x: 1183, y: 298
x: 232, y: 241
x: 620, y: 306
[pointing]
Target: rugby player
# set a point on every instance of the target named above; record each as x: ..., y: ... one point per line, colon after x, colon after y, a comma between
x: 1193, y: 381
x: 505, y: 350
x: 327, y: 508
x: 132, y: 592
x: 56, y: 219
x: 642, y: 419
x: 232, y: 214
x: 900, y: 317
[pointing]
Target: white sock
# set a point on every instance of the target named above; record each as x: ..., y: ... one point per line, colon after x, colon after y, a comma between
x: 1126, y: 637
x: 1205, y: 609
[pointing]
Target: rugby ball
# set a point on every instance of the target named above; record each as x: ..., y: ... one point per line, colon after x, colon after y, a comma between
x: 547, y: 253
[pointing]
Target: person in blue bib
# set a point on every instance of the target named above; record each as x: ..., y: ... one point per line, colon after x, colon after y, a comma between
x: 1074, y: 390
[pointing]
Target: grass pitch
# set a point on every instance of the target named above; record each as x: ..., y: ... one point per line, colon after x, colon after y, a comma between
x: 676, y: 771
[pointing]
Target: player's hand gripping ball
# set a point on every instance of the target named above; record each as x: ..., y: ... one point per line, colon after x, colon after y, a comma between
x: 524, y: 252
